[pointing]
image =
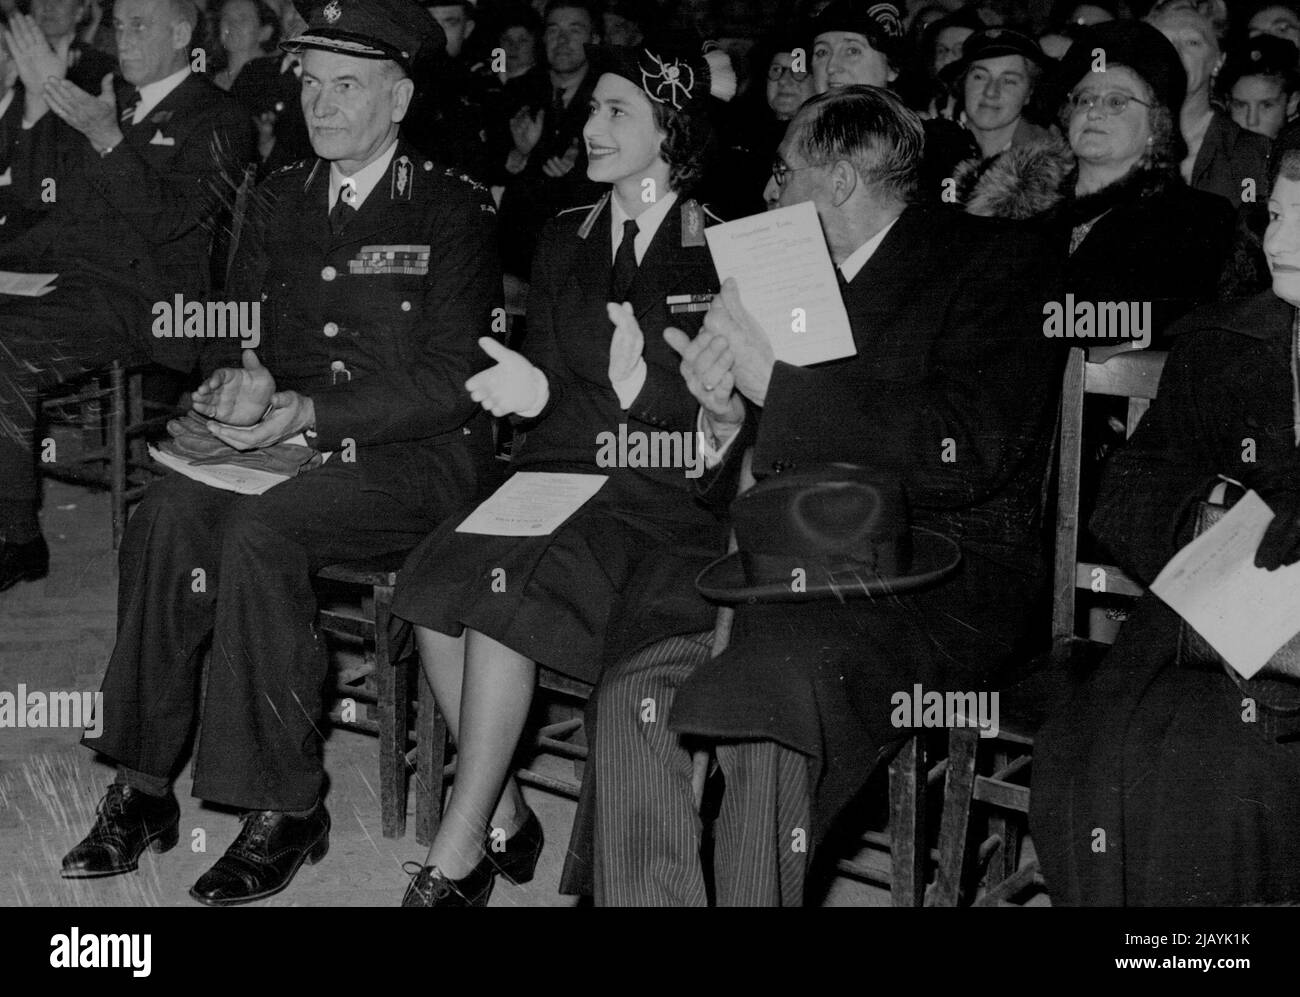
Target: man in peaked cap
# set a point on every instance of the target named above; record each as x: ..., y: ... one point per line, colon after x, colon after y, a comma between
x: 376, y: 272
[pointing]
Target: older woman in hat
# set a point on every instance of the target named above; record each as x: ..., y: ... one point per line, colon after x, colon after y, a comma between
x: 595, y: 369
x: 854, y: 42
x: 1191, y: 770
x: 1130, y: 227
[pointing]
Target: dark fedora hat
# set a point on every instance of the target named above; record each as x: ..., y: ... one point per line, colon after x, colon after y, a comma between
x: 834, y: 531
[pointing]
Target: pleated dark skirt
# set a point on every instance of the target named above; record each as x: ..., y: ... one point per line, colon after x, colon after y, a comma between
x: 554, y: 598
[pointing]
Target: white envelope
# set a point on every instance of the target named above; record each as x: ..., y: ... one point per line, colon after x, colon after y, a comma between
x: 160, y: 139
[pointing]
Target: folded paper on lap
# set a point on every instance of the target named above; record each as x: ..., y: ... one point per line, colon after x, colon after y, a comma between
x: 1245, y: 613
x: 532, y: 504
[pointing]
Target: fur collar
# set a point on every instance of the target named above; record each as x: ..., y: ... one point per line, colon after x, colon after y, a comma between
x: 1023, y: 182
x: 1136, y: 185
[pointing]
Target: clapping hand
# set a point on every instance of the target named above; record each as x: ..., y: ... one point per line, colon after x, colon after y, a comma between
x: 707, y: 367
x: 237, y: 397
x: 627, y: 344
x: 753, y: 358
x: 526, y: 130
x: 34, y: 59
x: 94, y: 117
x: 509, y: 387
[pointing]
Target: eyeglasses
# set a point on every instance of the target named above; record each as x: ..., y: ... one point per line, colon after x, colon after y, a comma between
x: 1112, y: 103
x: 781, y: 172
x: 776, y: 71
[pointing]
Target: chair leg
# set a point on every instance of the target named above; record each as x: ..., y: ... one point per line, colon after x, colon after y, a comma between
x: 117, y: 471
x: 908, y: 852
x: 431, y: 758
x: 393, y: 702
x: 963, y: 742
x: 1007, y: 830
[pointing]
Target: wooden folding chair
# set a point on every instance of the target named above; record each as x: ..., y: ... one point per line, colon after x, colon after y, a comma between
x: 1134, y: 375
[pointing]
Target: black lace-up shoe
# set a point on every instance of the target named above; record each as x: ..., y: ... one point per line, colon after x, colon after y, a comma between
x: 127, y: 822
x: 263, y: 860
x: 517, y: 859
x: 430, y: 888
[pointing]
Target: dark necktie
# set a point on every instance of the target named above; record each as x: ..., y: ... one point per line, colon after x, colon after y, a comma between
x: 340, y: 215
x: 624, y: 263
x: 844, y: 284
x: 557, y: 100
x: 130, y: 101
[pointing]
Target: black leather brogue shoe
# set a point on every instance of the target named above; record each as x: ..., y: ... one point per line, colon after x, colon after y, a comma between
x: 128, y: 821
x: 265, y: 856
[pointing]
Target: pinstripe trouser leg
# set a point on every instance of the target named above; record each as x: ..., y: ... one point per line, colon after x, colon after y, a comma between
x: 647, y: 834
x: 761, y: 836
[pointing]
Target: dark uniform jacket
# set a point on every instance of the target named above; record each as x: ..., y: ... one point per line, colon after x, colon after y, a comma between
x: 379, y: 325
x: 141, y: 217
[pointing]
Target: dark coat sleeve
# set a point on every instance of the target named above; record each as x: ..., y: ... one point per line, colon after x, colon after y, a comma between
x: 958, y: 420
x: 429, y: 398
x: 165, y: 205
x: 1218, y: 405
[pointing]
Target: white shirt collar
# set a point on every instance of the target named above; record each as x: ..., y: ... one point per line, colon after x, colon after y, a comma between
x: 859, y: 257
x: 647, y: 223
x: 153, y: 94
x: 364, y: 180
x: 5, y: 101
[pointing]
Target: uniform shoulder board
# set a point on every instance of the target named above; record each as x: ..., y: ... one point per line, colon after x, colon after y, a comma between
x: 593, y: 212
x: 285, y: 170
x: 580, y: 207
x: 464, y: 178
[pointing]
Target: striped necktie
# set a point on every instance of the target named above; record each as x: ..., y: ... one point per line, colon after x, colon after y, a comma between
x: 127, y: 114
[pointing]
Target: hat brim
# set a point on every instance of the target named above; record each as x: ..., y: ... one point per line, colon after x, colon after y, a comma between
x: 329, y: 41
x: 934, y: 557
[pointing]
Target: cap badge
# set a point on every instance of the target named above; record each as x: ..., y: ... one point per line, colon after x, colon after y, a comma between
x: 667, y: 82
x: 333, y: 11
x: 886, y: 15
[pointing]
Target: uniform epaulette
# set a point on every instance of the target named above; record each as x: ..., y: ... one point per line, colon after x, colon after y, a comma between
x: 288, y: 168
x: 593, y: 212
x: 580, y: 207
x: 463, y: 178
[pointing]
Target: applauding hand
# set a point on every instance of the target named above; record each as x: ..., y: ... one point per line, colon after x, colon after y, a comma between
x: 236, y: 397
x: 708, y: 369
x: 626, y: 346
x: 510, y: 387
x: 753, y: 356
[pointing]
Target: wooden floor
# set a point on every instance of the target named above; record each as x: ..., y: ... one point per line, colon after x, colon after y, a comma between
x: 56, y: 634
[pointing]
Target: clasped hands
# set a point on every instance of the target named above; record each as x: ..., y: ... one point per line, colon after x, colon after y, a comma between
x: 245, y: 411
x: 44, y: 71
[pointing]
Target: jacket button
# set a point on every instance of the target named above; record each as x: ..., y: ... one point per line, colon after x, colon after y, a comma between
x: 329, y: 273
x: 781, y: 466
x: 406, y: 306
x: 331, y: 329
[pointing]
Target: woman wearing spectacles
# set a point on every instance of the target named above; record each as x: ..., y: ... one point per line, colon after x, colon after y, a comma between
x: 1131, y: 227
